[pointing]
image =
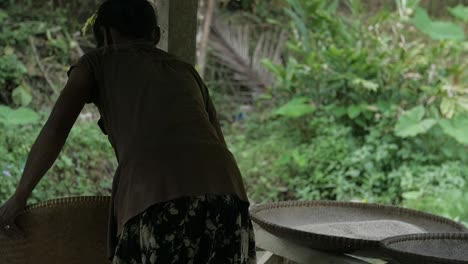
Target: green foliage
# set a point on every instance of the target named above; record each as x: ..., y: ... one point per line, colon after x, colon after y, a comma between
x: 297, y: 107
x: 21, y: 116
x: 22, y: 95
x: 85, y: 166
x: 11, y: 69
x: 326, y: 164
x: 36, y: 48
x: 339, y: 128
x: 437, y: 189
x: 457, y: 128
x: 411, y: 123
x: 460, y: 12
x: 438, y: 30
x: 35, y: 41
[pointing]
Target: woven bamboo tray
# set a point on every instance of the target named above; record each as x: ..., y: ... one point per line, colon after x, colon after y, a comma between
x: 68, y: 230
x: 345, y: 227
x: 428, y: 248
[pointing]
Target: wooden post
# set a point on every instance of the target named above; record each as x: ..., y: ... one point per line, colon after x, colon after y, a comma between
x: 206, y: 36
x: 163, y: 20
x: 178, y: 21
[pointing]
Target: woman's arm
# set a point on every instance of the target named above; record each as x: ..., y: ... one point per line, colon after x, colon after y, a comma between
x: 53, y: 135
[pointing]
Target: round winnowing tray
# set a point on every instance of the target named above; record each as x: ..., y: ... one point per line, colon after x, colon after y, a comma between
x: 67, y: 230
x: 345, y: 227
x: 428, y: 248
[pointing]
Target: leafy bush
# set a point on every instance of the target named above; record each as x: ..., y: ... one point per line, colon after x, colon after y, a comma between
x: 367, y: 108
x: 37, y: 48
x: 85, y: 166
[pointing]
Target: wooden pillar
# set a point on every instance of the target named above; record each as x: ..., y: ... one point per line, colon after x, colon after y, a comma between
x: 178, y: 21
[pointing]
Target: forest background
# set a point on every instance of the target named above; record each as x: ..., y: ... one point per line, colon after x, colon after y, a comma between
x: 319, y: 99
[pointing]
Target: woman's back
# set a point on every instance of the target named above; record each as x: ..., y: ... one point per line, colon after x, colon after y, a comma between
x: 149, y: 98
x: 161, y: 122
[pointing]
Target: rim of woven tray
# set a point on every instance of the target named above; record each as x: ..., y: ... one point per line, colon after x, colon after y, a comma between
x: 58, y: 202
x: 386, y: 243
x: 342, y: 242
x: 66, y: 200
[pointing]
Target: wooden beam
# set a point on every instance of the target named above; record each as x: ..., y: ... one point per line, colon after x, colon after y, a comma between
x: 178, y: 22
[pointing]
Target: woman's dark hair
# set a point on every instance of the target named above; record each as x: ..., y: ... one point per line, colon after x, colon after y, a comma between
x: 132, y: 18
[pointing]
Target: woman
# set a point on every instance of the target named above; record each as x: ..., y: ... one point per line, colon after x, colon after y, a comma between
x: 177, y: 195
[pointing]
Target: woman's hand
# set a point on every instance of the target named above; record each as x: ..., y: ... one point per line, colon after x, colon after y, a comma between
x: 8, y: 214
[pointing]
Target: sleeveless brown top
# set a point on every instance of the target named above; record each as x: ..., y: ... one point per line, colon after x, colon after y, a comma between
x: 161, y: 122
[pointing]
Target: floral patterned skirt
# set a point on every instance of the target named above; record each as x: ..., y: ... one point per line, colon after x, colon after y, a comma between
x: 210, y: 228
